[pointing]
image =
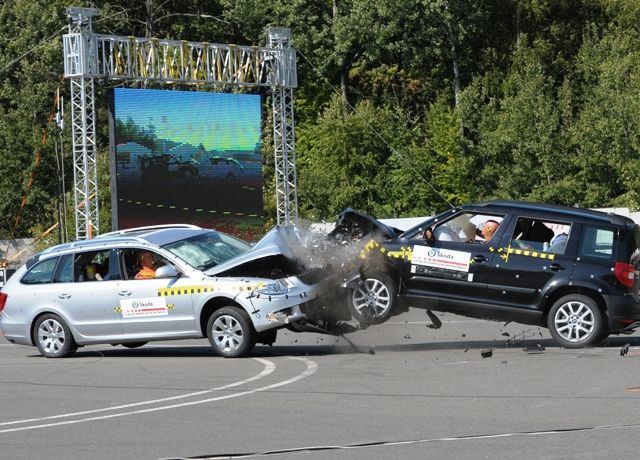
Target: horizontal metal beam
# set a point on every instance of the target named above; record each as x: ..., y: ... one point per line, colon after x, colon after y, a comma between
x: 177, y: 61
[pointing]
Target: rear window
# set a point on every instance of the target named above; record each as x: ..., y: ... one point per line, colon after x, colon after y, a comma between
x: 597, y: 242
x: 40, y: 273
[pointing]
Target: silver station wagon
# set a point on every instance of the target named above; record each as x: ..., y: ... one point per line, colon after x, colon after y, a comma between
x: 157, y: 283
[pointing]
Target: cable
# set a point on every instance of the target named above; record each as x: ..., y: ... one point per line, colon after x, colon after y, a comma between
x: 26, y: 53
x: 384, y: 141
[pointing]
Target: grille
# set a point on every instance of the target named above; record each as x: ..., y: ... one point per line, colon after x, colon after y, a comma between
x: 315, y: 275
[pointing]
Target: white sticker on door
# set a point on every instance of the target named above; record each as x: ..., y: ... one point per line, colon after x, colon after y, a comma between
x: 441, y: 258
x: 149, y: 306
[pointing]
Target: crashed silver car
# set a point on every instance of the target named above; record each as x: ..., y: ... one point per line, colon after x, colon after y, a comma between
x: 206, y: 284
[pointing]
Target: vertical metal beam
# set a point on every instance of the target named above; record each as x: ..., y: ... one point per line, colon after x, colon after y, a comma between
x: 85, y: 172
x: 80, y: 63
x: 284, y: 129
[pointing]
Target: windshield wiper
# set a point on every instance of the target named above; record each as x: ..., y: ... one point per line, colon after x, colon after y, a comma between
x: 207, y: 264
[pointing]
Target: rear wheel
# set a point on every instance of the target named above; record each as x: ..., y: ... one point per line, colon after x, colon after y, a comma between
x: 230, y: 332
x: 576, y: 321
x: 373, y: 300
x: 53, y: 337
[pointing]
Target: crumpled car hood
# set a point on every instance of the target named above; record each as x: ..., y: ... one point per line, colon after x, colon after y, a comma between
x: 278, y: 241
x: 354, y: 225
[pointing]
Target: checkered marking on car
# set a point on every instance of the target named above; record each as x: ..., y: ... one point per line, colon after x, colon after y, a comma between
x: 505, y: 252
x: 189, y: 290
x: 403, y: 253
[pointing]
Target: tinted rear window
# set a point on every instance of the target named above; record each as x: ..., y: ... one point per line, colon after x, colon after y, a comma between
x: 597, y: 242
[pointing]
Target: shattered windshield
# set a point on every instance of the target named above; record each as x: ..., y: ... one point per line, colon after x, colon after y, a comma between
x: 208, y: 250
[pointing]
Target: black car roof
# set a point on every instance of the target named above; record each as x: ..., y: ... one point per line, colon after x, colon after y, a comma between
x: 587, y: 214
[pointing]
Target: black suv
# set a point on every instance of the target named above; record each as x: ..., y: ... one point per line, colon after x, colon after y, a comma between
x: 564, y: 268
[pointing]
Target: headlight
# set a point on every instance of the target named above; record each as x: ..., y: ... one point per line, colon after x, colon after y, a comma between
x: 279, y: 287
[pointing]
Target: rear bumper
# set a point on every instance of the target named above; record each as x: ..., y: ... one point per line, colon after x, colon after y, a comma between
x: 623, y: 313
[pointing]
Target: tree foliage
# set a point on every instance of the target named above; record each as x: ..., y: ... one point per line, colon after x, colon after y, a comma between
x: 404, y: 106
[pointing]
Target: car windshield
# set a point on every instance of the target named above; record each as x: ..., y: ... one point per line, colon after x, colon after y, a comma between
x: 208, y: 250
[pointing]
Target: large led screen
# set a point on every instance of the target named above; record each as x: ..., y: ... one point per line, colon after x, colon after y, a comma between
x: 188, y: 157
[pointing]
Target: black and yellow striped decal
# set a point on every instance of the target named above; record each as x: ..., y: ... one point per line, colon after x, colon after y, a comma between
x: 506, y: 252
x: 402, y: 253
x: 407, y: 253
x: 201, y: 289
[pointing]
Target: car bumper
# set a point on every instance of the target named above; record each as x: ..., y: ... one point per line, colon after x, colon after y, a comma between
x: 623, y: 313
x: 272, y: 311
x: 15, y: 331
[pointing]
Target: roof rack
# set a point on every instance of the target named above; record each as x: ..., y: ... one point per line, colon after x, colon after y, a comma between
x: 147, y: 228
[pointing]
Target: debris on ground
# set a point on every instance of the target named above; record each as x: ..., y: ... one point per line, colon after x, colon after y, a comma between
x: 624, y: 351
x: 506, y: 334
x: 534, y: 350
x: 487, y: 353
x: 372, y: 350
x: 435, y: 321
x: 407, y: 336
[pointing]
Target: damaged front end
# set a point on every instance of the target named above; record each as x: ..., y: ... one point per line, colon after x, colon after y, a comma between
x: 297, y: 263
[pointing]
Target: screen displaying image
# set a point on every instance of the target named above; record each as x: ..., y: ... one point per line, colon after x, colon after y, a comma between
x: 188, y: 157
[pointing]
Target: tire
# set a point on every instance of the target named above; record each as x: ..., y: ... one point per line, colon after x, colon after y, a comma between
x: 134, y: 344
x: 230, y: 332
x: 374, y: 300
x: 53, y: 337
x: 576, y: 321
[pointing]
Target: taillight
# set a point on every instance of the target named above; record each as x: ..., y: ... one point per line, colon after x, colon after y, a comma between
x: 3, y: 300
x: 625, y: 274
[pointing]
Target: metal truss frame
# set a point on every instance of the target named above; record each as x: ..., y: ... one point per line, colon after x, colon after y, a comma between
x: 89, y: 56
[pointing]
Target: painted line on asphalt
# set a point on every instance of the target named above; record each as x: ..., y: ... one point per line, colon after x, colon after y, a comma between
x: 312, y: 367
x: 376, y: 444
x: 269, y: 367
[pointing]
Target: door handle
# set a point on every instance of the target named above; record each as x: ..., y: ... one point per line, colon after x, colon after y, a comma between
x: 64, y: 296
x: 556, y: 267
x: 124, y: 293
x: 479, y: 258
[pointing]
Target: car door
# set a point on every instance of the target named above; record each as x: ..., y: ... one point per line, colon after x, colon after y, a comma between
x: 153, y: 307
x: 90, y: 306
x: 450, y: 272
x: 535, y: 250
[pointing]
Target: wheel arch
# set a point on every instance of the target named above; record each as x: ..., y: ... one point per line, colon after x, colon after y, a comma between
x: 560, y: 292
x: 34, y: 320
x: 211, y: 306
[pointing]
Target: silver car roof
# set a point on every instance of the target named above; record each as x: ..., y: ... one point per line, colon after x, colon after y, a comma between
x: 158, y: 235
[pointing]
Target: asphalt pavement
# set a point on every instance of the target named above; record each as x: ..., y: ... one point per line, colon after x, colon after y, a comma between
x: 471, y: 389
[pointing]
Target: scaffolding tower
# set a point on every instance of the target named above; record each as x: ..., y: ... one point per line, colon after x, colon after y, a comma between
x: 89, y: 56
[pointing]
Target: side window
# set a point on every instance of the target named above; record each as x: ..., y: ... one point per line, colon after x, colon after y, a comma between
x: 65, y: 272
x: 468, y: 228
x: 540, y: 235
x: 91, y: 266
x: 40, y: 273
x: 597, y: 242
x: 141, y: 264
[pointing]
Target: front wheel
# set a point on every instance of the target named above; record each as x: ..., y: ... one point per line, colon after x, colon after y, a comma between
x: 373, y: 300
x: 53, y: 337
x: 230, y: 332
x: 576, y: 321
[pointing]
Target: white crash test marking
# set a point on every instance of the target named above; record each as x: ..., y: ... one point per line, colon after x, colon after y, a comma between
x: 269, y: 367
x: 312, y: 367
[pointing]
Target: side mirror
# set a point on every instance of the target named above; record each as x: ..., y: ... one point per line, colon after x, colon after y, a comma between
x: 167, y: 271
